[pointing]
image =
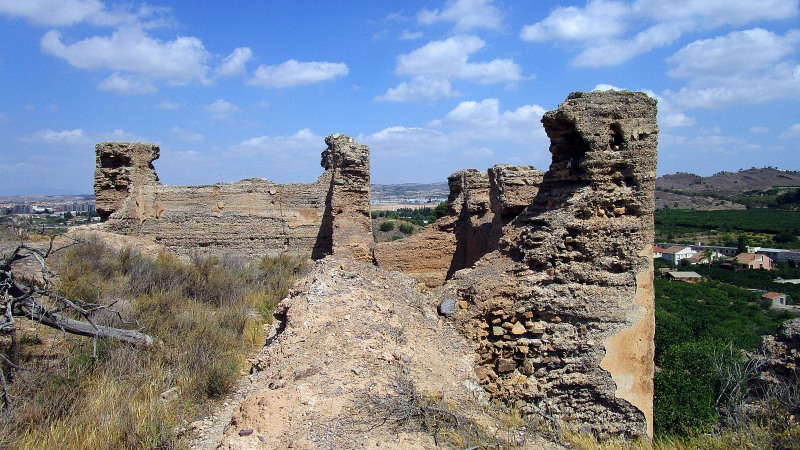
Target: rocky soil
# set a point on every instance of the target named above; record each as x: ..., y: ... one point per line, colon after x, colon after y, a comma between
x: 362, y: 361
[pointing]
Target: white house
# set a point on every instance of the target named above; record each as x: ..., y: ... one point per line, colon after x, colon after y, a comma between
x: 677, y: 253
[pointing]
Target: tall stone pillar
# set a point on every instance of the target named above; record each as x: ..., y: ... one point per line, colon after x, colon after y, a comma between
x: 349, y: 199
x: 119, y: 166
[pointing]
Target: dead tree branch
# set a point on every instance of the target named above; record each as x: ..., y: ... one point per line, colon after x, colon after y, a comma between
x: 41, y: 303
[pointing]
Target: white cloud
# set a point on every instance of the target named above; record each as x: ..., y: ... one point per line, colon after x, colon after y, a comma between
x: 612, y: 31
x: 186, y: 136
x: 474, y: 134
x: 606, y: 87
x: 118, y: 135
x: 169, y: 105
x: 473, y: 125
x: 132, y: 50
x: 302, y: 142
x: 56, y: 137
x: 221, y: 109
x: 613, y: 52
x: 234, y: 64
x: 484, y: 121
x: 127, y: 85
x: 52, y: 12
x: 742, y: 67
x: 478, y: 151
x: 449, y: 59
x: 747, y: 51
x: 419, y: 88
x: 400, y: 141
x: 296, y: 73
x: 715, y: 13
x: 791, y: 132
x: 408, y: 35
x: 600, y: 19
x: 465, y: 14
x: 759, y: 129
x: 675, y: 120
x: 59, y: 13
x: 300, y: 138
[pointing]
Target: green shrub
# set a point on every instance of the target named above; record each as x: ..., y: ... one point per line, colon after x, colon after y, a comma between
x: 386, y: 226
x: 406, y: 228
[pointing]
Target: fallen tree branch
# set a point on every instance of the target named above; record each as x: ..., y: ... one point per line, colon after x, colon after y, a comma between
x: 25, y: 300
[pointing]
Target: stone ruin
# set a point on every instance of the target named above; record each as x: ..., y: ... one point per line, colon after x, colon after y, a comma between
x: 548, y: 274
x: 250, y: 218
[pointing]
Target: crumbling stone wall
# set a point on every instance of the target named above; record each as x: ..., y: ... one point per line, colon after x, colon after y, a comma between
x: 250, y: 218
x: 479, y: 206
x: 511, y: 189
x: 562, y: 314
x: 119, y: 167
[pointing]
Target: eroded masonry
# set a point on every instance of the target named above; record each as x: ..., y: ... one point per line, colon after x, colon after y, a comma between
x: 251, y: 218
x: 548, y: 274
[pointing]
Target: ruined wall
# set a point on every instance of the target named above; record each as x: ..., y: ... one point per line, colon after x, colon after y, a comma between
x: 479, y: 206
x: 250, y: 218
x: 120, y: 166
x: 562, y: 315
x: 511, y: 189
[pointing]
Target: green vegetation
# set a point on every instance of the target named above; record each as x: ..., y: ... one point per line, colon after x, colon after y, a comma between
x: 417, y: 216
x: 699, y: 331
x: 764, y: 227
x: 406, y: 228
x: 787, y: 198
x: 386, y: 226
x: 206, y: 316
x: 755, y: 279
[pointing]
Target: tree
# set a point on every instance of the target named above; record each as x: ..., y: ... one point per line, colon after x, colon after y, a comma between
x: 387, y: 226
x: 741, y: 244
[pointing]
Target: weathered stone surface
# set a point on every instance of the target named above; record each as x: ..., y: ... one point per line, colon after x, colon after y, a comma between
x: 576, y: 269
x: 453, y: 242
x: 119, y: 166
x: 250, y: 218
x: 348, y: 163
x: 512, y: 188
x: 480, y: 206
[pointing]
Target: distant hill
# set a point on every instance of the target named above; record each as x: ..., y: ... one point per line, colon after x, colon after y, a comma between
x: 729, y: 183
x: 724, y: 190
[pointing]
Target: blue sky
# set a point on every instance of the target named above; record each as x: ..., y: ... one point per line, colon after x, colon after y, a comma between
x: 242, y: 89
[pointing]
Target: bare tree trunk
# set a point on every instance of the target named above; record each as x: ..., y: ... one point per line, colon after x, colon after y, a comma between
x: 72, y: 326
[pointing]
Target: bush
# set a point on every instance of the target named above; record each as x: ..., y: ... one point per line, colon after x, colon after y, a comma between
x: 406, y: 228
x: 386, y: 226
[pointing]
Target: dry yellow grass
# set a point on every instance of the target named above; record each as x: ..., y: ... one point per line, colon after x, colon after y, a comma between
x: 206, y: 317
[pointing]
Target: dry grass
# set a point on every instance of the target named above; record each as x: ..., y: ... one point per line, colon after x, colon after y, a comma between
x: 207, y: 316
x: 751, y: 436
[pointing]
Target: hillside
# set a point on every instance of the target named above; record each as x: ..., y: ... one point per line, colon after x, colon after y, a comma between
x: 724, y: 190
x: 729, y: 183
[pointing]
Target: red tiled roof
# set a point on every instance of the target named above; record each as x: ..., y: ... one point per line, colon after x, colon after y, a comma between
x: 657, y: 249
x: 772, y: 295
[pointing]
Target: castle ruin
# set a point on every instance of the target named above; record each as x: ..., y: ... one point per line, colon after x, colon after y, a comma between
x: 548, y: 274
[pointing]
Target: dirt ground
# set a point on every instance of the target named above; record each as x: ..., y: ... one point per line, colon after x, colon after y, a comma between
x: 361, y: 360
